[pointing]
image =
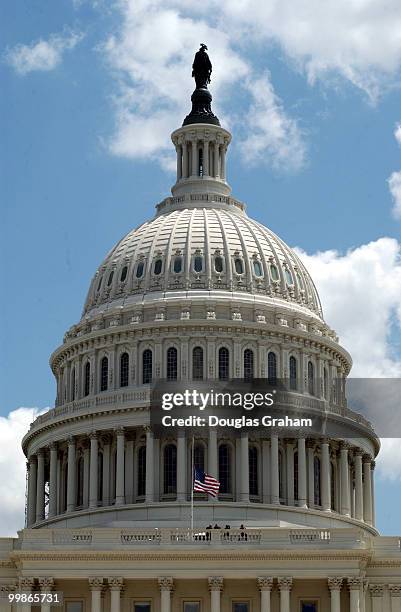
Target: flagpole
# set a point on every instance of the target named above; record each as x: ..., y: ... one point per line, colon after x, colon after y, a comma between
x: 192, y: 490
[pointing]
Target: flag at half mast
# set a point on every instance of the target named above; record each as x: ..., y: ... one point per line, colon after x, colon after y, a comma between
x: 205, y: 483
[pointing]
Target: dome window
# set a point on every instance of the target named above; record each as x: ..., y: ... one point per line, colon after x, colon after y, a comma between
x: 239, y: 266
x: 99, y: 283
x: 123, y: 274
x: 274, y: 272
x: 110, y: 278
x: 157, y: 269
x: 288, y: 277
x: 139, y: 269
x: 218, y: 264
x: 177, y: 265
x: 257, y: 268
x: 198, y: 263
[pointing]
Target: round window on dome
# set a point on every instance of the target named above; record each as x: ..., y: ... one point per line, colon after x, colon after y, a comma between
x: 239, y: 266
x: 157, y: 268
x: 198, y: 263
x: 274, y: 272
x: 123, y: 275
x: 288, y: 277
x: 177, y: 265
x: 110, y: 278
x: 139, y: 269
x: 257, y: 268
x: 218, y: 264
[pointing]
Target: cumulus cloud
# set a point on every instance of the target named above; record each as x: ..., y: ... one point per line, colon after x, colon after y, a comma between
x: 43, y: 55
x: 13, y: 468
x: 389, y: 459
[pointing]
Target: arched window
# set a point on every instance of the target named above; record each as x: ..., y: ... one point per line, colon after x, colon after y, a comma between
x: 104, y: 374
x: 239, y: 266
x: 197, y: 363
x: 218, y: 263
x: 225, y: 468
x: 311, y: 378
x: 200, y: 167
x: 224, y: 363
x: 288, y: 277
x: 80, y: 482
x: 333, y: 486
x: 110, y: 280
x: 124, y: 370
x: 123, y: 275
x: 157, y: 268
x: 141, y: 484
x: 248, y: 364
x: 274, y: 272
x: 139, y: 269
x: 293, y: 373
x: 172, y: 363
x: 73, y: 384
x: 198, y: 263
x: 99, y: 283
x: 170, y: 470
x: 296, y: 488
x: 253, y: 471
x: 199, y: 456
x: 87, y: 378
x: 147, y: 366
x: 257, y: 268
x: 100, y: 476
x: 177, y: 264
x: 317, y: 493
x: 272, y: 368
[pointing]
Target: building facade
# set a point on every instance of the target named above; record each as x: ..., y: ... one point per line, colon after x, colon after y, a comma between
x: 201, y: 292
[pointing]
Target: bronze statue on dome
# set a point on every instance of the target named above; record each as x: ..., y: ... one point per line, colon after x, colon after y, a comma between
x: 202, y: 68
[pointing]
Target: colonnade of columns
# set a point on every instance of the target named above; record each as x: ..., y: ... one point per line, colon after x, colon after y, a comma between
x: 355, y: 585
x: 200, y: 154
x: 294, y: 472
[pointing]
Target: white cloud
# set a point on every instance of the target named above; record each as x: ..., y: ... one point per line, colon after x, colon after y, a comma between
x: 389, y: 459
x: 44, y: 55
x: 394, y: 183
x: 397, y: 133
x: 13, y: 468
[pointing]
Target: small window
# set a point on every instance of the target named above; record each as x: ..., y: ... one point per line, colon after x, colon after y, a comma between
x: 139, y: 269
x: 177, y: 265
x: 99, y: 283
x: 142, y: 606
x: 104, y: 374
x: 192, y: 606
x: 74, y: 606
x: 147, y: 366
x: 198, y: 263
x: 124, y: 370
x: 197, y: 363
x: 110, y: 278
x: 309, y: 606
x: 257, y: 268
x: 288, y: 277
x: 241, y: 606
x: 157, y: 269
x: 239, y: 266
x: 218, y: 264
x: 123, y: 274
x: 274, y: 272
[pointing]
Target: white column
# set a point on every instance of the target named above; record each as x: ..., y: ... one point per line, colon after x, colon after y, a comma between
x: 376, y: 594
x: 216, y: 159
x: 223, y: 162
x: 120, y: 493
x: 179, y: 166
x: 53, y: 480
x: 212, y: 464
x: 5, y: 591
x: 265, y: 471
x: 215, y: 588
x: 85, y: 496
x: 194, y: 157
x: 93, y: 476
x: 284, y: 585
x: 290, y: 472
x: 96, y: 586
x: 115, y: 586
x: 32, y: 481
x: 244, y: 491
x: 265, y: 584
x: 166, y: 584
x: 334, y: 585
x: 106, y: 470
x: 206, y: 157
x: 150, y: 467
x: 181, y: 466
x: 26, y: 585
x: 395, y: 597
x: 71, y: 476
x: 367, y: 490
x: 184, y: 160
x: 40, y: 487
x: 311, y: 473
x: 345, y: 493
x: 358, y: 485
x: 325, y: 476
x: 46, y: 586
x: 274, y: 477
x: 372, y: 489
x: 355, y: 584
x: 301, y: 473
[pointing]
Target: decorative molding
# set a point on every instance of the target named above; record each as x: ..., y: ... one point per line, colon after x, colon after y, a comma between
x: 376, y: 590
x: 26, y: 583
x: 395, y: 590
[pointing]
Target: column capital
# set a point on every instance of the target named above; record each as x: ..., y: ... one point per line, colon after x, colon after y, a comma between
x: 265, y: 583
x: 166, y: 583
x: 7, y: 588
x: 119, y: 431
x: 94, y: 435
x: 367, y: 458
x: 95, y: 583
x: 71, y: 440
x: 324, y: 440
x: 284, y: 583
x: 335, y: 583
x: 310, y: 443
x: 376, y: 590
x: 115, y: 583
x: 46, y: 584
x: 395, y: 590
x: 40, y: 452
x: 344, y: 446
x: 215, y: 583
x: 358, y: 452
x: 26, y: 583
x: 106, y: 439
x: 354, y: 583
x: 52, y: 446
x: 372, y: 464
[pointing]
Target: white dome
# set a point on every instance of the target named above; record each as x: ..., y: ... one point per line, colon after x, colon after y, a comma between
x: 205, y: 245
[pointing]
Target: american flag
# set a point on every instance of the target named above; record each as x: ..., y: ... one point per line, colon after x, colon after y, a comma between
x: 205, y: 483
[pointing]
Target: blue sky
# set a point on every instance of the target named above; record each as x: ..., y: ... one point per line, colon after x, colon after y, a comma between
x: 78, y: 171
